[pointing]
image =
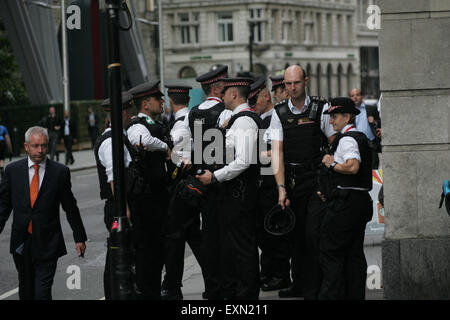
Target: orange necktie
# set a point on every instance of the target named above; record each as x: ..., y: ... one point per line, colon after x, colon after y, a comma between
x: 34, y: 190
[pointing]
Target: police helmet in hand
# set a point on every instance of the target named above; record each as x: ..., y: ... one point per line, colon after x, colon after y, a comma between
x: 278, y: 221
x: 193, y: 191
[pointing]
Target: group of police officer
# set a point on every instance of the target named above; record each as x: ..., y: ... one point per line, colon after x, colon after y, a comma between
x: 205, y: 179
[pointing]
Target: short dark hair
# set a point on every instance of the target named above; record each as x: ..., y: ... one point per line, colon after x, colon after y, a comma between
x: 180, y: 98
x: 243, y: 92
x: 138, y: 102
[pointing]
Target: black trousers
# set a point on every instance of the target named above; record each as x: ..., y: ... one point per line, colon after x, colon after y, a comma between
x: 92, y: 134
x: 35, y: 276
x: 174, y: 255
x: 108, y: 218
x: 148, y: 215
x: 342, y: 246
x: 309, y: 211
x: 53, y: 138
x: 275, y: 250
x: 229, y: 244
x: 68, y: 142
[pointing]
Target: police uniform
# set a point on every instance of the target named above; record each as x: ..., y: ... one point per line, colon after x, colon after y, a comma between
x: 342, y: 234
x: 277, y: 82
x: 275, y: 255
x: 211, y: 114
x: 149, y: 207
x: 231, y: 229
x: 304, y: 133
x: 179, y: 231
x: 104, y: 161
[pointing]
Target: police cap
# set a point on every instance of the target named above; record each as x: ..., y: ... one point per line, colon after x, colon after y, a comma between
x: 278, y: 221
x: 178, y: 89
x: 277, y: 81
x: 147, y: 89
x: 213, y: 76
x: 257, y: 87
x: 342, y: 105
x: 127, y: 100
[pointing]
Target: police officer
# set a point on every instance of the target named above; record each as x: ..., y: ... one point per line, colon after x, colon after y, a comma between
x: 274, y: 258
x: 278, y: 89
x: 104, y: 161
x: 231, y: 233
x: 298, y: 131
x: 149, y: 205
x: 208, y: 115
x: 179, y: 231
x: 342, y: 236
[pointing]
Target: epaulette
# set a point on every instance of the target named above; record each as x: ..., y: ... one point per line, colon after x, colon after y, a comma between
x: 320, y: 99
x: 281, y: 102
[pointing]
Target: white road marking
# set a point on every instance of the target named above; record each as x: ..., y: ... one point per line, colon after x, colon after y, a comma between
x: 9, y: 293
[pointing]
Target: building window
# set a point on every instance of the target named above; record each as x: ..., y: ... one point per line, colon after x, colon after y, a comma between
x: 225, y: 26
x: 256, y: 20
x: 286, y: 25
x: 187, y: 73
x: 188, y: 25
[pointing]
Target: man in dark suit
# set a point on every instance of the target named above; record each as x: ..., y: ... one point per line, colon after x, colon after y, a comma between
x: 34, y: 188
x: 53, y: 124
x: 92, y: 124
x: 69, y: 137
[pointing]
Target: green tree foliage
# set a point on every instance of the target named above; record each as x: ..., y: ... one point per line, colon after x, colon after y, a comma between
x: 12, y: 88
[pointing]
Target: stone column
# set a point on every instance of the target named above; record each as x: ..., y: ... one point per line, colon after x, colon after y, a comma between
x: 415, y: 76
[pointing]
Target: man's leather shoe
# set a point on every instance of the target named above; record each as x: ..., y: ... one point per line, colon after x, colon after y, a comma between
x: 290, y: 292
x: 275, y: 284
x: 174, y: 294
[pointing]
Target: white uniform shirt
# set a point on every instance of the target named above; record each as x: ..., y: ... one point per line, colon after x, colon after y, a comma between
x: 266, y: 136
x: 41, y: 170
x: 136, y: 131
x: 242, y: 138
x: 181, y: 136
x: 105, y: 156
x: 276, y: 128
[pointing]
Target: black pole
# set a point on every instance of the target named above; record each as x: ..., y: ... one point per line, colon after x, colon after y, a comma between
x: 251, y: 39
x: 120, y: 245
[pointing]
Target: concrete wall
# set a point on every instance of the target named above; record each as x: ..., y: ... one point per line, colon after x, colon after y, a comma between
x: 415, y: 81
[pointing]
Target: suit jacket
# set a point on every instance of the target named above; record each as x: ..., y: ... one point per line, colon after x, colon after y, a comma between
x: 72, y: 128
x: 47, y: 237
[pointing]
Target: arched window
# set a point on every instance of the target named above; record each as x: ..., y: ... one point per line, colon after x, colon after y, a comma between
x: 309, y: 74
x: 319, y: 74
x: 349, y: 77
x: 329, y: 82
x: 339, y: 80
x: 187, y: 72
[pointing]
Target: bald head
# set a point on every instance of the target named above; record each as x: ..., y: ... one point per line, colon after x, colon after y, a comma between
x: 295, y: 82
x: 295, y: 71
x: 356, y: 96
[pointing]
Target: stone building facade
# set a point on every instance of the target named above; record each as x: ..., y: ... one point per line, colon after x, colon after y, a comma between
x: 325, y: 36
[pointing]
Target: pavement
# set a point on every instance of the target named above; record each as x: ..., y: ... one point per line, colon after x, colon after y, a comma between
x: 193, y: 285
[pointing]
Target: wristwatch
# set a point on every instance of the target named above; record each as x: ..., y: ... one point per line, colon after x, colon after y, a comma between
x: 333, y: 165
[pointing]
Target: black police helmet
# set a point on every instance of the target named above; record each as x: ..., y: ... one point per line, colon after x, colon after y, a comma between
x: 278, y: 221
x: 193, y: 191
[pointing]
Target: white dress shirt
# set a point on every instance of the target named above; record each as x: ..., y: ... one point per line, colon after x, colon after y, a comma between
x: 276, y: 128
x: 106, y: 159
x: 241, y: 138
x: 181, y: 136
x: 136, y: 131
x: 41, y: 170
x: 266, y: 136
x: 347, y: 148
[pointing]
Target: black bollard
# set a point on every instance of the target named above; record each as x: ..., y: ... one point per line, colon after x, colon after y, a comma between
x: 122, y: 287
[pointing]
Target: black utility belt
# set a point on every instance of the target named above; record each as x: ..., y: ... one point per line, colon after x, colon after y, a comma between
x: 300, y: 167
x: 345, y: 193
